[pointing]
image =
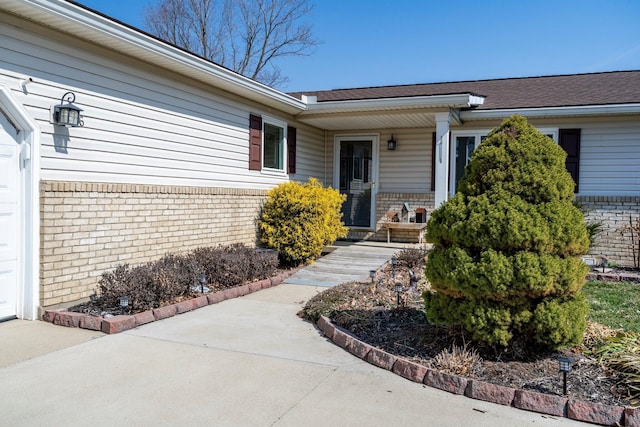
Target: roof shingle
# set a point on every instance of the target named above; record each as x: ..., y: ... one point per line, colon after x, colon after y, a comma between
x: 616, y: 87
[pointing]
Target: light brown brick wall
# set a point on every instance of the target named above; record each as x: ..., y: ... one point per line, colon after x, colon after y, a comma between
x: 613, y: 212
x: 88, y: 228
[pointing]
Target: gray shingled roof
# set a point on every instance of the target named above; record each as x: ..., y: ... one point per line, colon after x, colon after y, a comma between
x: 617, y: 87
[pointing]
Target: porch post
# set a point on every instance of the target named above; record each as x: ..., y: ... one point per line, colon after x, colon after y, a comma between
x: 442, y: 157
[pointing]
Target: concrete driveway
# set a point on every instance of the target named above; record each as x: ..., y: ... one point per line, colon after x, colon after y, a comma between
x: 244, y: 362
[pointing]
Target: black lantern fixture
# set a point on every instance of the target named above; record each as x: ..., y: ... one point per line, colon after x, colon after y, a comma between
x: 394, y: 263
x: 564, y: 365
x: 67, y: 114
x: 372, y: 275
x: 124, y: 303
x: 391, y: 143
x: 203, y: 281
x: 398, y: 291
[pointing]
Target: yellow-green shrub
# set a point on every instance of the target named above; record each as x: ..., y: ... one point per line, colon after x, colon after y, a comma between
x: 299, y: 220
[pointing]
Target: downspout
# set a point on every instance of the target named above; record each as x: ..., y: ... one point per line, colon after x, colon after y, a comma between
x: 326, y: 133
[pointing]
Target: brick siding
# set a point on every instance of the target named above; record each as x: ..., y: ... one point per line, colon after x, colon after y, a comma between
x: 613, y: 212
x: 88, y: 228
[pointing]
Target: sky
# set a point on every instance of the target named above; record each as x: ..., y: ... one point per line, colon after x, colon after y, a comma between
x: 366, y: 43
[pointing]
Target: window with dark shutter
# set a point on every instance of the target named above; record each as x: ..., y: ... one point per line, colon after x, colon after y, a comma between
x: 255, y: 142
x: 433, y: 161
x: 291, y: 149
x: 569, y: 140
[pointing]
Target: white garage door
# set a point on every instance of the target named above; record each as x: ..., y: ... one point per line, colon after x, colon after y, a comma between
x: 9, y: 219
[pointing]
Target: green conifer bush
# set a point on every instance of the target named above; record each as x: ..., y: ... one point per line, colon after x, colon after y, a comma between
x: 299, y: 220
x: 506, y: 261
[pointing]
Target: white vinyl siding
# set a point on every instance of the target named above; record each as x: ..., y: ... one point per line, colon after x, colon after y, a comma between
x: 310, y: 155
x: 610, y: 159
x: 407, y: 169
x: 143, y: 125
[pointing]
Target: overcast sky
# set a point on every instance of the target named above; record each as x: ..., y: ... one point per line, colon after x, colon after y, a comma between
x: 374, y: 42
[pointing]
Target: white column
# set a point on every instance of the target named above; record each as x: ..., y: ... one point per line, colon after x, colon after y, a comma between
x: 442, y: 157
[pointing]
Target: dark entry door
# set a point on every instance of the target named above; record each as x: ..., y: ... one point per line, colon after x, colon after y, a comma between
x: 356, y: 181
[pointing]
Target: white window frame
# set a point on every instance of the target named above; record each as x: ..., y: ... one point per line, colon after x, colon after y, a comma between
x: 478, y: 134
x: 281, y: 124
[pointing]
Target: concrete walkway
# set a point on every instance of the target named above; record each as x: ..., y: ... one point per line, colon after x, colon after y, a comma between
x: 349, y: 261
x: 244, y: 362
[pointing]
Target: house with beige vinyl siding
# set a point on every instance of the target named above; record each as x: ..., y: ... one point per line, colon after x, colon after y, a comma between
x: 175, y: 152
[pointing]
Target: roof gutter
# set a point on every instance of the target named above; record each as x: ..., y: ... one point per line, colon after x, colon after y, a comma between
x: 465, y: 100
x: 541, y: 112
x: 73, y: 19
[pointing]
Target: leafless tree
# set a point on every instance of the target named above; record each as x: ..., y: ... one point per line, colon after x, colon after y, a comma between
x: 246, y: 36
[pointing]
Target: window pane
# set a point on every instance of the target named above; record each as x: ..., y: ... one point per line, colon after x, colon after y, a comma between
x: 464, y: 149
x: 273, y: 147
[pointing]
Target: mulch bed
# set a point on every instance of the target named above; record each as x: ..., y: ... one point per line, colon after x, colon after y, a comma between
x: 370, y: 311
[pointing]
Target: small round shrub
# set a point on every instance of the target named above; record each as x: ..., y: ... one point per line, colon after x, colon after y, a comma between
x: 505, y: 263
x: 299, y: 220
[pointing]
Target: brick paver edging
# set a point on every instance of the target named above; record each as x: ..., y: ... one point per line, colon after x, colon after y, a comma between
x: 528, y: 400
x: 115, y: 324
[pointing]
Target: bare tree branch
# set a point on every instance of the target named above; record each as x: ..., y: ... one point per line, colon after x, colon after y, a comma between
x: 247, y: 36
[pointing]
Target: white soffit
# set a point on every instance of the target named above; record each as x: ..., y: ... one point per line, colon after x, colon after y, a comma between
x: 84, y: 24
x: 384, y: 113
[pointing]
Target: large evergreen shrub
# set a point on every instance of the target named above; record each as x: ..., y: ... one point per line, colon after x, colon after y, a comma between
x: 299, y: 220
x: 506, y: 263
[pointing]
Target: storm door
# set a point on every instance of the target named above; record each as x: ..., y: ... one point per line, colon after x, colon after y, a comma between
x: 356, y: 174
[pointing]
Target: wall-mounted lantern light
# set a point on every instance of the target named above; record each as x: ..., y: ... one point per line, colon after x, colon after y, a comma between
x: 391, y: 143
x: 66, y: 114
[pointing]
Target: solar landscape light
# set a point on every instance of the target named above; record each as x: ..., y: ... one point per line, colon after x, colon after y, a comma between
x: 394, y: 264
x: 203, y: 281
x: 564, y: 365
x: 372, y: 274
x: 398, y: 291
x: 124, y: 303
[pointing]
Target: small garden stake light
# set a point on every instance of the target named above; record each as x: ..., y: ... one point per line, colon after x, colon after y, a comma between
x: 203, y: 281
x: 124, y: 303
x: 372, y: 274
x: 394, y: 263
x: 564, y: 363
x: 398, y: 291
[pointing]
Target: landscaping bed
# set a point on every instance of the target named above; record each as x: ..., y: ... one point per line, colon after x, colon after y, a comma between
x: 91, y: 316
x: 370, y: 312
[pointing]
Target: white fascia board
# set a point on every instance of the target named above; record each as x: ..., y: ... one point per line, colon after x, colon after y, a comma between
x: 75, y: 20
x: 587, y: 110
x: 452, y: 101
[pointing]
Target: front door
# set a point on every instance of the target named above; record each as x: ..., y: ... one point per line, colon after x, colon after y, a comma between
x: 9, y: 219
x: 356, y: 176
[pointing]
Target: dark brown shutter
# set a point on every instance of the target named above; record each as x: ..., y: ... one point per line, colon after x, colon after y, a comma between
x: 433, y: 161
x: 255, y: 142
x: 570, y: 142
x: 291, y: 149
